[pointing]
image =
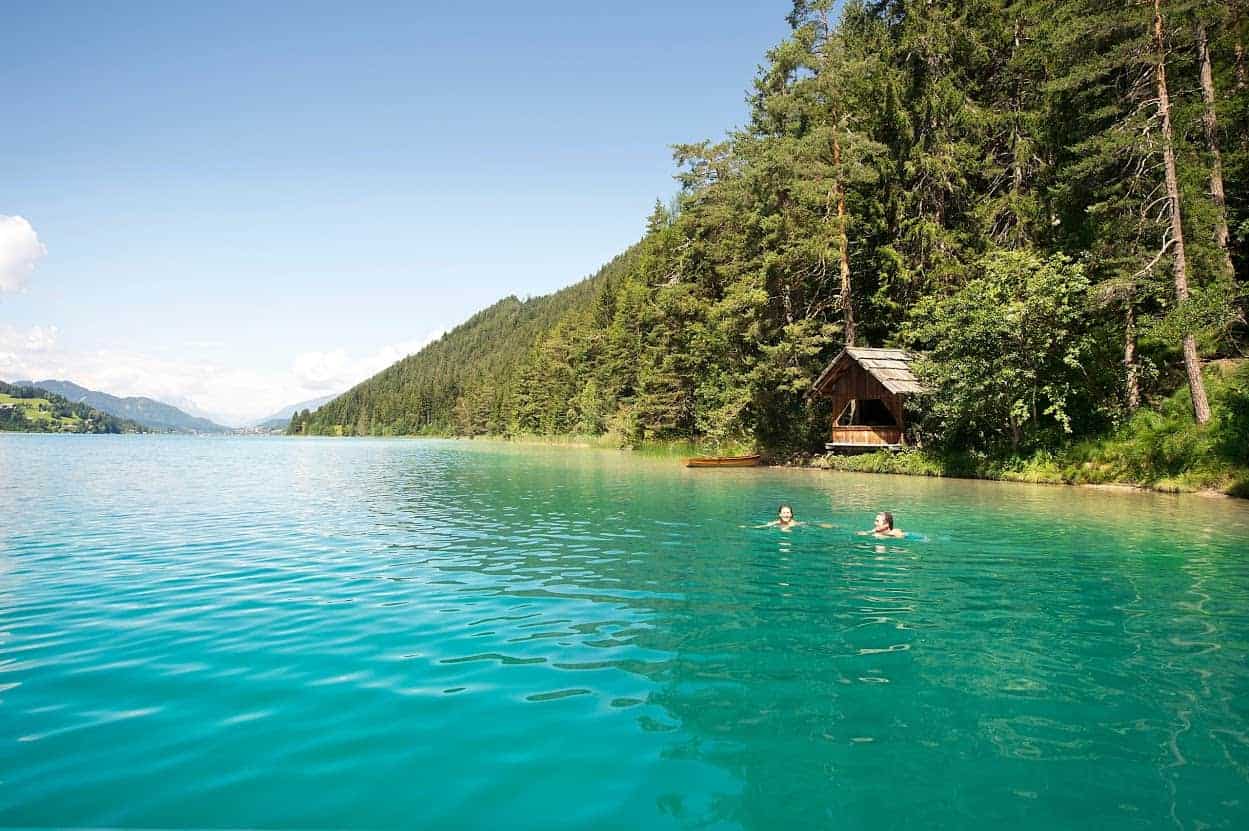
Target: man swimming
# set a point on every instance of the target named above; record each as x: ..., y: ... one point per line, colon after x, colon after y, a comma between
x: 883, y: 526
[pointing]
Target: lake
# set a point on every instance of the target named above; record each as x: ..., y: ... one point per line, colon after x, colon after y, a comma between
x: 306, y: 633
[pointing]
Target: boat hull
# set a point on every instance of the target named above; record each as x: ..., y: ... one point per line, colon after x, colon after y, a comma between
x: 723, y: 461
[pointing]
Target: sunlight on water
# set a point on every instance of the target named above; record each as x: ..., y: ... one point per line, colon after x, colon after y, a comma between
x: 394, y: 634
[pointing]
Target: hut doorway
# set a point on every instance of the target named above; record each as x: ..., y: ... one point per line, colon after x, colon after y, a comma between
x: 869, y: 412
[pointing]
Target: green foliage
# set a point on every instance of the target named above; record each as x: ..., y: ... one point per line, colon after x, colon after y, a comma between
x: 911, y: 463
x: 1006, y: 351
x: 978, y: 179
x: 478, y: 378
x: 151, y: 414
x: 1039, y: 467
x: 1165, y: 448
x: 34, y: 410
x: 1160, y: 448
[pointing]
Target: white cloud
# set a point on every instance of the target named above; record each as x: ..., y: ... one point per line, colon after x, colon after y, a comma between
x: 322, y: 371
x: 336, y: 371
x: 34, y: 339
x: 20, y: 250
x: 229, y: 395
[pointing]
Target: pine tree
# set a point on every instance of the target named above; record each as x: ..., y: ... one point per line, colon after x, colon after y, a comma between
x: 1192, y: 363
x: 1211, y: 125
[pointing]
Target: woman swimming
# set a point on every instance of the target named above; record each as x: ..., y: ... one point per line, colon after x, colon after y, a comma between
x: 784, y: 518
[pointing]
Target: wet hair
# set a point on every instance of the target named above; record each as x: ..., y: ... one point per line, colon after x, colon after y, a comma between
x: 782, y: 507
x: 888, y: 519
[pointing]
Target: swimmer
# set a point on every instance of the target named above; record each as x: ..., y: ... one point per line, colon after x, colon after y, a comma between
x: 883, y: 527
x: 784, y: 518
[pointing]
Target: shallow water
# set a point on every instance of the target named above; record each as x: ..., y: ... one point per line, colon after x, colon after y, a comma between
x: 391, y: 634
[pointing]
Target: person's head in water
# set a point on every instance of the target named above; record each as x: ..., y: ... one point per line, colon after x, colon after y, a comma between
x: 784, y: 514
x: 884, y: 522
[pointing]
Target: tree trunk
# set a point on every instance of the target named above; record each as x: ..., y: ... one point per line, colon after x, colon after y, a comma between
x: 1133, y: 386
x: 1192, y: 363
x: 1239, y: 49
x: 1210, y: 121
x: 843, y: 239
x: 1016, y: 106
x: 787, y: 298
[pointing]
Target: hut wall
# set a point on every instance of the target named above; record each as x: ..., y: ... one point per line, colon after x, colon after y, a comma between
x: 861, y: 436
x: 857, y: 384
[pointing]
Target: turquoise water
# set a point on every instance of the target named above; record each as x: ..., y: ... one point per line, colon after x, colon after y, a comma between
x: 395, y: 634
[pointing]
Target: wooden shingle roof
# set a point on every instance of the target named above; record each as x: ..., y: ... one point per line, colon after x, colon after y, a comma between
x: 891, y: 367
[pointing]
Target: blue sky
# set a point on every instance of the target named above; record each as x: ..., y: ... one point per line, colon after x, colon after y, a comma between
x: 247, y: 204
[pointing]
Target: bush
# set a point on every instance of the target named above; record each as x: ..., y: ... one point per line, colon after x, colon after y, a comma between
x: 1162, y: 448
x: 1165, y: 448
x: 1007, y: 352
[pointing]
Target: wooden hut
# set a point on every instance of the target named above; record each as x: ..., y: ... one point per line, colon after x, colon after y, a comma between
x: 868, y: 388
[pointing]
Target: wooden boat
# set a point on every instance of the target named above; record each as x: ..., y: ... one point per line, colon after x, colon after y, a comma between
x: 723, y: 461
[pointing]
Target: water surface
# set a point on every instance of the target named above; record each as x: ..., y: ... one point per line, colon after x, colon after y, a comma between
x: 312, y: 633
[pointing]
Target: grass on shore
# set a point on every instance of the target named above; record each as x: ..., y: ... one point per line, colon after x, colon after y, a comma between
x: 1161, y: 448
x: 649, y: 449
x: 34, y: 409
x: 37, y: 413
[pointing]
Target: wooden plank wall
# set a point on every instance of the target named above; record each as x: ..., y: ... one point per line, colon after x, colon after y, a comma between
x: 857, y: 384
x: 866, y: 436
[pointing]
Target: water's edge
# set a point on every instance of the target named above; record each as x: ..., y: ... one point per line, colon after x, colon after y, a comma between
x: 679, y: 450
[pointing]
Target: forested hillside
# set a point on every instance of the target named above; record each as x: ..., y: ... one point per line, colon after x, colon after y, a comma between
x: 27, y: 409
x: 1046, y: 198
x: 152, y: 414
x: 282, y: 418
x: 462, y: 380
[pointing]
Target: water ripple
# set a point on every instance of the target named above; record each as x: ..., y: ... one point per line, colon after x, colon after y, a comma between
x: 227, y: 633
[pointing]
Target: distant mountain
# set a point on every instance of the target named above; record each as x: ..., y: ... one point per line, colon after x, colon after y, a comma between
x: 282, y: 418
x: 27, y: 409
x: 152, y: 414
x: 189, y: 407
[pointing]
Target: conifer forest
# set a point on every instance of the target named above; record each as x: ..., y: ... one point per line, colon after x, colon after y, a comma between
x: 1047, y: 201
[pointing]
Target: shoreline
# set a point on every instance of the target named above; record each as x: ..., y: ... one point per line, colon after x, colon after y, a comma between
x: 820, y: 462
x: 932, y: 467
x: 1018, y: 470
x: 1121, y: 487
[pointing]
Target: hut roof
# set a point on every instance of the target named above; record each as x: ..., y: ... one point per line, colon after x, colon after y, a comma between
x: 891, y: 367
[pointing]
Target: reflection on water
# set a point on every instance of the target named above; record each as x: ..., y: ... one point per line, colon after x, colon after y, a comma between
x: 303, y: 633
